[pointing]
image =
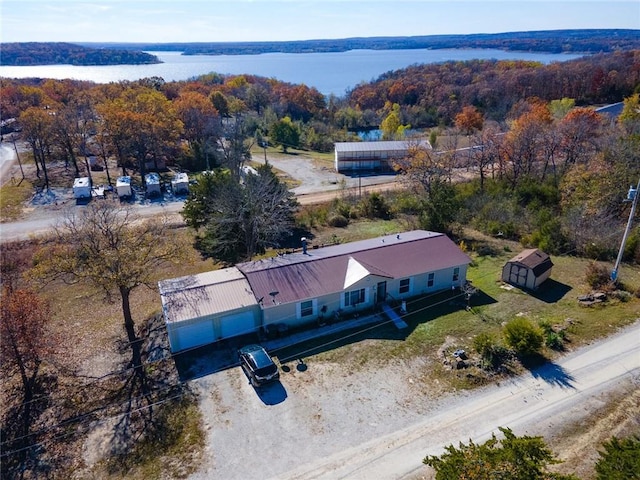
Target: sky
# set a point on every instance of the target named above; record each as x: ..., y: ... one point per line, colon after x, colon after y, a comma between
x: 158, y: 21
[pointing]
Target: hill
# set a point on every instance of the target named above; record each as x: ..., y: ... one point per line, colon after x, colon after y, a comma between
x: 553, y: 41
x: 55, y: 53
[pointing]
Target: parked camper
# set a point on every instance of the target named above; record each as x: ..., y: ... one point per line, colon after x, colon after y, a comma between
x: 180, y: 183
x: 123, y: 187
x: 152, y: 181
x: 82, y: 188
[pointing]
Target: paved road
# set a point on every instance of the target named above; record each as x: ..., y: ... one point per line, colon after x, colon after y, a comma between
x: 535, y: 404
x: 317, y: 185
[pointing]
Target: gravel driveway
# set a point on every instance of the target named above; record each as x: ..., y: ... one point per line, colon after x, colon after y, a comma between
x: 330, y: 421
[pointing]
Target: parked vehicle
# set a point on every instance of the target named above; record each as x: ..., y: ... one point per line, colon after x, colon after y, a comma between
x: 258, y: 365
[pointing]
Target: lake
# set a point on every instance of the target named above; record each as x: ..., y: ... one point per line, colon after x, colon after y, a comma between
x: 330, y: 73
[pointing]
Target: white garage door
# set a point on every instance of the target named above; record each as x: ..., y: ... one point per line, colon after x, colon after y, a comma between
x: 238, y: 324
x: 193, y: 335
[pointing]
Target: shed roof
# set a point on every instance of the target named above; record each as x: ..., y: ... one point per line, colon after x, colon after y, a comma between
x: 535, y: 259
x: 205, y: 294
x: 395, y: 145
x: 322, y: 271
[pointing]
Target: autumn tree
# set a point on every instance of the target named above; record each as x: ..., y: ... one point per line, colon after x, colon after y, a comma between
x: 523, y: 144
x: 469, y: 120
x: 202, y: 123
x: 630, y: 117
x: 511, y: 458
x: 109, y: 246
x: 37, y: 125
x: 284, y: 133
x: 235, y: 220
x: 580, y: 132
x: 141, y: 124
x: 26, y: 344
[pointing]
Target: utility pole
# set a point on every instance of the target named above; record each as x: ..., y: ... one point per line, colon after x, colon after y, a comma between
x: 614, y: 273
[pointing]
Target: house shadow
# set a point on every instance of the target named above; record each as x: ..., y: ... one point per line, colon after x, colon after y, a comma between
x: 551, y: 291
x: 351, y: 328
x: 549, y: 372
x: 209, y: 359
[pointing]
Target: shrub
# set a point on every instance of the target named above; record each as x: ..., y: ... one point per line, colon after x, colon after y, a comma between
x: 339, y: 221
x: 524, y: 337
x: 492, y: 354
x: 597, y: 276
x: 552, y: 339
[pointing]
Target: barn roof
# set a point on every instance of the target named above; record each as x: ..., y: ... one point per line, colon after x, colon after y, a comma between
x: 535, y: 259
x: 395, y: 145
x: 205, y: 294
x: 298, y: 276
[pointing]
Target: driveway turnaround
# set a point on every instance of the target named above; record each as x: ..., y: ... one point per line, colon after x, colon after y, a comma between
x: 331, y: 421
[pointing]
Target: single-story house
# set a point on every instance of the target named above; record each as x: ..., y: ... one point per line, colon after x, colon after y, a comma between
x: 528, y: 269
x: 352, y: 157
x: 301, y: 288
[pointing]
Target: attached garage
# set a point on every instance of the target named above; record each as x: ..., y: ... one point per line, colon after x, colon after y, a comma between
x: 201, y: 309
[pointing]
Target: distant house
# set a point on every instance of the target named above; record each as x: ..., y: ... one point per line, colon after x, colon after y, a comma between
x: 357, y: 157
x: 612, y: 111
x: 528, y: 269
x: 296, y: 289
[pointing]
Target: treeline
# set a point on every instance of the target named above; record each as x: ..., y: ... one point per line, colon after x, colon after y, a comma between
x: 43, y: 53
x: 433, y: 94
x: 551, y: 171
x: 555, y: 41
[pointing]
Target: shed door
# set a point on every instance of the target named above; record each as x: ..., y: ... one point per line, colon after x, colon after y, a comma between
x: 237, y: 324
x: 193, y: 335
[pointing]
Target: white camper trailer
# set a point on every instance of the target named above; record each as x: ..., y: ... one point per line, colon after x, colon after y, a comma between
x: 123, y: 187
x: 152, y: 182
x: 180, y: 183
x: 82, y: 188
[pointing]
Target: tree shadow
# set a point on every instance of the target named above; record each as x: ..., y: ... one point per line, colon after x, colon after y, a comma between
x: 551, y: 291
x: 549, y: 372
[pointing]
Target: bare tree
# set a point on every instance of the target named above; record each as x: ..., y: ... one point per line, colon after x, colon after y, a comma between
x: 108, y: 245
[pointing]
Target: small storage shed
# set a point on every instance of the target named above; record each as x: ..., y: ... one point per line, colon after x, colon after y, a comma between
x: 123, y: 186
x: 180, y: 183
x: 201, y: 309
x: 528, y: 269
x: 152, y: 182
x: 82, y: 187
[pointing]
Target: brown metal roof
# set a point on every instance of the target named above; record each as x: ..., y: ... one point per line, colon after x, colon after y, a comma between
x: 299, y: 276
x: 205, y: 294
x: 535, y: 259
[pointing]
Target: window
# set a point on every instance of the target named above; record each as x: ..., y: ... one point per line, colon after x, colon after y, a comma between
x: 430, y: 279
x: 354, y: 297
x: 405, y: 283
x: 456, y: 274
x: 306, y: 308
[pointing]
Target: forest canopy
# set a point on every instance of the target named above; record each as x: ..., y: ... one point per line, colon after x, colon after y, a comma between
x: 43, y: 53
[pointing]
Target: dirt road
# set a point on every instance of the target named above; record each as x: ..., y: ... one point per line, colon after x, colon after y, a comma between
x: 331, y: 422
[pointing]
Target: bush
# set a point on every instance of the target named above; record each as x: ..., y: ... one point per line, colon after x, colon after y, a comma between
x: 597, y: 276
x: 339, y: 221
x: 524, y: 337
x: 552, y: 339
x: 493, y: 355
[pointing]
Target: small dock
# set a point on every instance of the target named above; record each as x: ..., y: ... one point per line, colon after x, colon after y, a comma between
x: 394, y: 317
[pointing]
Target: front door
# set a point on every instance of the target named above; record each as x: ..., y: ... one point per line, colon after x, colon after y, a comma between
x: 381, y: 292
